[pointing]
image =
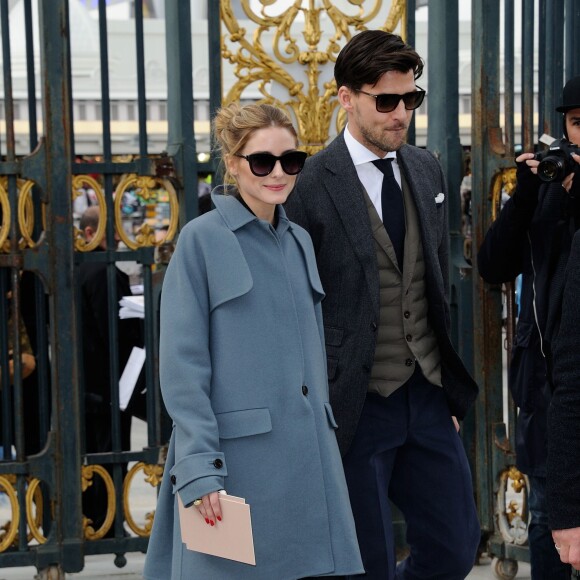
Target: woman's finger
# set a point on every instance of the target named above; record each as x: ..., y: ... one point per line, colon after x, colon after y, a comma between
x: 208, y: 510
x: 201, y: 509
x: 214, y: 500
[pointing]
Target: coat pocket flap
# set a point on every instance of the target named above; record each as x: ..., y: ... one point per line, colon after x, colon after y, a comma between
x: 330, y: 415
x: 244, y: 423
x: 333, y: 336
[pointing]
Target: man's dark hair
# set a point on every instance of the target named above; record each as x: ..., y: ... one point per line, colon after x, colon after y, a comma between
x: 370, y: 54
x: 90, y: 218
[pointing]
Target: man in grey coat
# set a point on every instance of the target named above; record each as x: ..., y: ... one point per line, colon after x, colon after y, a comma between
x: 375, y: 208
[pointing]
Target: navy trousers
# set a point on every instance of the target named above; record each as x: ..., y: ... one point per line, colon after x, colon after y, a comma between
x: 406, y: 449
x: 544, y: 559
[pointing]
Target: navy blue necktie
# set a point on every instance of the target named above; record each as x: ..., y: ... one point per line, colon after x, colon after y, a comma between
x: 393, y: 208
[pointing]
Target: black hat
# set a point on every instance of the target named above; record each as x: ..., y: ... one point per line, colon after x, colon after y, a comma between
x: 571, y: 96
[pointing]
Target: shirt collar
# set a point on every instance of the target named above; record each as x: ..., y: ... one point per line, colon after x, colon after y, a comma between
x: 359, y: 153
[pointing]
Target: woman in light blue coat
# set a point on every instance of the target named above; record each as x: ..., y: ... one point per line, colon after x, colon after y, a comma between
x: 243, y: 374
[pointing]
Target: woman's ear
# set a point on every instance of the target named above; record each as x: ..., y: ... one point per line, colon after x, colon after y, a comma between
x: 232, y: 165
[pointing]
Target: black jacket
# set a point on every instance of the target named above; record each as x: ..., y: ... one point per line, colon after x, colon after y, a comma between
x: 95, y: 333
x: 531, y: 237
x: 563, y: 489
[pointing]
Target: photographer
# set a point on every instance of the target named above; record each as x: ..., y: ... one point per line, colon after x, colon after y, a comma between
x: 532, y: 237
x: 563, y: 491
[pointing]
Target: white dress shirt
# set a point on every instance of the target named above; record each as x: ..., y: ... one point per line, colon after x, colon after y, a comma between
x: 370, y: 176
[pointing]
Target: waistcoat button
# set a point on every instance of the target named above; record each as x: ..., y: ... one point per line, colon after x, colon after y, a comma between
x: 304, y: 390
x: 409, y: 362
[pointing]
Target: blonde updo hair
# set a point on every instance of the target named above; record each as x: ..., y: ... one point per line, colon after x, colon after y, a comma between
x: 234, y: 124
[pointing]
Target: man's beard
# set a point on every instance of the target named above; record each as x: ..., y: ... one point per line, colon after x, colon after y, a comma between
x: 386, y: 143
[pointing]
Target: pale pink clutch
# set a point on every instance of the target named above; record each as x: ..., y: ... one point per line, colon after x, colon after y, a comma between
x: 231, y: 538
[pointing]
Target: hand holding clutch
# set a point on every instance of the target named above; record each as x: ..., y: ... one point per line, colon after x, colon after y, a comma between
x: 231, y: 538
x: 209, y: 507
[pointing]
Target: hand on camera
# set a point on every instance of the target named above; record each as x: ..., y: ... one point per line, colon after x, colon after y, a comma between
x: 569, y: 179
x: 528, y: 182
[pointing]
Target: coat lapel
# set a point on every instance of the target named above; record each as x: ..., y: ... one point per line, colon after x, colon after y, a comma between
x: 411, y: 237
x: 346, y: 192
x: 423, y: 194
x: 380, y: 233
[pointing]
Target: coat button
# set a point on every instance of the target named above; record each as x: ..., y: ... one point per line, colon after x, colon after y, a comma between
x: 173, y: 479
x: 409, y: 362
x: 406, y: 314
x: 218, y: 463
x: 304, y: 390
x: 408, y: 338
x: 366, y: 368
x: 373, y: 326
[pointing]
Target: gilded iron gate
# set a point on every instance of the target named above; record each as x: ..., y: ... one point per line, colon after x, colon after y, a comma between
x: 46, y: 467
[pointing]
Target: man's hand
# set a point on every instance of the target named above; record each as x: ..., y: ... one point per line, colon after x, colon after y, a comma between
x: 529, y: 160
x: 568, y: 545
x: 569, y: 179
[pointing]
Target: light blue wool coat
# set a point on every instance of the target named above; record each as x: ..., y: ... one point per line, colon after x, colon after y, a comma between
x: 243, y: 375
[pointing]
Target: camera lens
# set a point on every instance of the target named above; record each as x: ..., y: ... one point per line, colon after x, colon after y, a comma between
x: 552, y: 169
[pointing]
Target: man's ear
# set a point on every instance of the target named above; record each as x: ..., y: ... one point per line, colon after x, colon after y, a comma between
x: 89, y: 233
x: 345, y: 96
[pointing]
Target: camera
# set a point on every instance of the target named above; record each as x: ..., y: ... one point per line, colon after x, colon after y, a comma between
x: 556, y: 162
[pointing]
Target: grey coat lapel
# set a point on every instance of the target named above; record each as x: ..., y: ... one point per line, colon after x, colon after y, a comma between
x: 346, y: 192
x: 423, y: 192
x: 412, y: 224
x: 380, y: 233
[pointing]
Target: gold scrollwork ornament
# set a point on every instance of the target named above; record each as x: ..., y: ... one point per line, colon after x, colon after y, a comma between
x: 512, y: 506
x: 24, y: 214
x: 9, y: 532
x: 153, y: 475
x: 34, y: 516
x: 504, y: 182
x: 313, y: 106
x: 87, y: 473
x: 6, y: 215
x: 147, y: 188
x: 78, y: 184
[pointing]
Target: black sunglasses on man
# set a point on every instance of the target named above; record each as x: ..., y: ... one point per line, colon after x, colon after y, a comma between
x: 387, y: 102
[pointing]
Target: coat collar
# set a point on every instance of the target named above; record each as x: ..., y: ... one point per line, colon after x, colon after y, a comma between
x: 236, y: 216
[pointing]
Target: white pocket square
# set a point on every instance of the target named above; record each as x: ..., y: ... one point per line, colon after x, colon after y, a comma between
x: 439, y: 198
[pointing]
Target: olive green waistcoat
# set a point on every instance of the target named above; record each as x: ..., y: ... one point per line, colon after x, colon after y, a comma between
x: 405, y: 336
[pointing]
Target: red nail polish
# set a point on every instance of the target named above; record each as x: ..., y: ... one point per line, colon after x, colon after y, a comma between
x: 206, y: 521
x: 219, y: 519
x: 211, y: 523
